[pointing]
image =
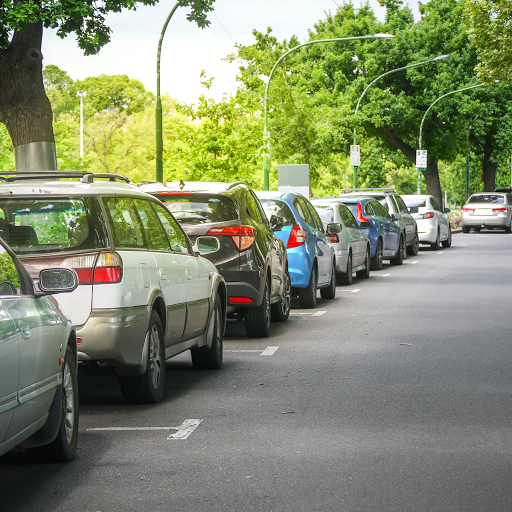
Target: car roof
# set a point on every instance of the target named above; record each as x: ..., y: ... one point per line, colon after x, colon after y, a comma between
x: 189, y: 186
x: 269, y: 194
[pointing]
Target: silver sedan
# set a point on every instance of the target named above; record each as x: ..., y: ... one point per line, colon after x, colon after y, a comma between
x: 488, y: 210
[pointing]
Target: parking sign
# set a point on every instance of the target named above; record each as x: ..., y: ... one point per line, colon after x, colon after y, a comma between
x: 355, y: 156
x: 421, y: 159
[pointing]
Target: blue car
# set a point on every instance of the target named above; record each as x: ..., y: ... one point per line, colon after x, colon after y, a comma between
x: 311, y: 260
x: 385, y: 235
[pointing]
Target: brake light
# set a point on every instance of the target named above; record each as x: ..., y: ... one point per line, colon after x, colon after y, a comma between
x: 333, y: 238
x: 240, y: 300
x: 108, y: 268
x: 466, y: 209
x: 427, y: 215
x: 500, y: 209
x: 243, y: 236
x: 298, y: 236
x: 360, y: 216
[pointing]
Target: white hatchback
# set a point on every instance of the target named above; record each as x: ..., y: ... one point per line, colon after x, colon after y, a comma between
x: 144, y: 292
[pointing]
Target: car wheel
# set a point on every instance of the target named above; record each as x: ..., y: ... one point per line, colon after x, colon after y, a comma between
x: 204, y: 358
x: 307, y: 296
x: 330, y: 291
x: 63, y: 447
x: 477, y: 229
x: 437, y: 244
x: 399, y: 257
x: 365, y: 272
x: 508, y: 229
x: 149, y: 387
x: 448, y: 241
x: 414, y: 249
x: 465, y: 229
x: 281, y: 311
x: 377, y: 260
x: 345, y: 278
x: 257, y: 320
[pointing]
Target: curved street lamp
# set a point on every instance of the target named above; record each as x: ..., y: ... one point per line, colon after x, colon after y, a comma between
x: 265, y: 100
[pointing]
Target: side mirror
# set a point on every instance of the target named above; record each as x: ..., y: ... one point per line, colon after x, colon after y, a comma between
x: 333, y: 228
x: 413, y: 209
x: 55, y: 280
x: 392, y: 217
x: 365, y: 224
x: 447, y: 210
x: 206, y: 245
x: 276, y: 223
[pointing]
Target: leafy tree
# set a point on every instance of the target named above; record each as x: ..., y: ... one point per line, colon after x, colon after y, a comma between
x: 24, y: 107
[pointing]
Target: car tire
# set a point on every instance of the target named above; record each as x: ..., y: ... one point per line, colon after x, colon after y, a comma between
x: 63, y: 447
x: 437, y: 244
x: 330, y: 291
x: 257, y: 320
x: 345, y: 278
x: 508, y: 229
x: 465, y: 229
x: 477, y: 229
x: 399, y: 257
x: 377, y: 260
x: 149, y: 387
x: 307, y: 296
x: 365, y: 272
x: 281, y: 310
x: 448, y: 241
x: 204, y: 358
x: 414, y: 248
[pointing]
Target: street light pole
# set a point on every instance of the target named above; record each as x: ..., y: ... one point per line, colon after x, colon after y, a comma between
x: 435, y: 59
x: 467, y: 157
x: 265, y: 99
x: 81, y: 95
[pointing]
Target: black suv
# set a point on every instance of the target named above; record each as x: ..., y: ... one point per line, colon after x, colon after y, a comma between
x: 252, y: 260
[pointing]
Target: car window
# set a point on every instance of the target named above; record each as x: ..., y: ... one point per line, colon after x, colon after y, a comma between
x: 394, y: 204
x: 279, y: 208
x: 155, y: 234
x: 10, y: 281
x: 125, y: 222
x: 352, y: 207
x: 368, y: 208
x: 252, y: 208
x: 301, y: 207
x: 420, y: 202
x: 380, y: 210
x: 52, y: 224
x: 325, y: 212
x: 487, y: 198
x: 175, y: 234
x: 435, y: 204
x: 317, y: 222
x: 199, y: 208
x: 402, y: 208
x: 347, y: 217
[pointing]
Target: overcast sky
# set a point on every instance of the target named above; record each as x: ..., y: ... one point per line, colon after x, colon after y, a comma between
x: 186, y: 49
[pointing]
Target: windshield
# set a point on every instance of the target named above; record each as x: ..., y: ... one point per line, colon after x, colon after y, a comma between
x: 487, y: 198
x: 279, y: 208
x: 48, y: 225
x: 199, y: 208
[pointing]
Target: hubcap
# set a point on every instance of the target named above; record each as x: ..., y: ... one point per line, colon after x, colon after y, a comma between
x: 286, y: 302
x: 267, y: 305
x: 155, y: 361
x: 69, y: 404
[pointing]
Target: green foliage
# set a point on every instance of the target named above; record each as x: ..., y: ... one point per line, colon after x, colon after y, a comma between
x: 8, y: 270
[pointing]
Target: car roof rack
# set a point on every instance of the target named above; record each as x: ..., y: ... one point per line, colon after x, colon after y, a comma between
x: 84, y: 176
x: 348, y: 190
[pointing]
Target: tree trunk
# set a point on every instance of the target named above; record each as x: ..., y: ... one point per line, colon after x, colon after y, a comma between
x: 488, y: 169
x: 24, y: 107
x: 431, y: 175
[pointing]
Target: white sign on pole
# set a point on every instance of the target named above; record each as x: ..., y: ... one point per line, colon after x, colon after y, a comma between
x: 421, y: 159
x: 355, y: 155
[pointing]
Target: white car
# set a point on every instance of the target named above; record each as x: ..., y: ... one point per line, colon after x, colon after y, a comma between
x: 350, y: 243
x: 433, y: 224
x: 488, y: 210
x: 144, y: 295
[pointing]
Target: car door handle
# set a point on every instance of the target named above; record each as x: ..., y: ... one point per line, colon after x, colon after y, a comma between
x: 189, y: 274
x: 162, y: 274
x: 24, y: 329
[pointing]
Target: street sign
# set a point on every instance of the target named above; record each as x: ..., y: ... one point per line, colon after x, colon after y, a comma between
x: 421, y: 159
x: 355, y: 155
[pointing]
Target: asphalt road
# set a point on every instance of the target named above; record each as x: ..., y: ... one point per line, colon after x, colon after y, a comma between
x: 395, y: 396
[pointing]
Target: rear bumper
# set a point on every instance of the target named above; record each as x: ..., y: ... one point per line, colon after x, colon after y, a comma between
x: 246, y: 284
x: 427, y: 231
x: 499, y: 220
x: 299, y: 266
x: 114, y: 336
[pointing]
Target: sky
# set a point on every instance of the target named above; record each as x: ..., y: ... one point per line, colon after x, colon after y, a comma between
x: 186, y: 49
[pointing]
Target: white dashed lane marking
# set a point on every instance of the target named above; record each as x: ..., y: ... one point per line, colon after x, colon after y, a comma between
x: 414, y: 262
x: 356, y: 290
x: 300, y: 313
x: 269, y: 351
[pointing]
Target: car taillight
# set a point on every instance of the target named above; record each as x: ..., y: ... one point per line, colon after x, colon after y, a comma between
x: 427, y: 215
x: 360, y: 216
x: 90, y: 268
x: 240, y: 300
x: 333, y: 238
x: 466, y: 209
x: 500, y: 209
x: 298, y: 236
x: 243, y: 236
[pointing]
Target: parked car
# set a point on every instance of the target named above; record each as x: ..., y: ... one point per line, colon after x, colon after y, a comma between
x: 350, y: 243
x: 383, y: 234
x: 312, y: 263
x: 398, y: 211
x: 489, y: 210
x: 144, y: 294
x: 38, y: 362
x: 434, y: 226
x: 251, y: 258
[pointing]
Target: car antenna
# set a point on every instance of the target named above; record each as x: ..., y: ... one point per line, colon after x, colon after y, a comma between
x: 182, y: 184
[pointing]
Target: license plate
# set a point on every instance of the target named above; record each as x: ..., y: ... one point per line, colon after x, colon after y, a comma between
x: 483, y: 211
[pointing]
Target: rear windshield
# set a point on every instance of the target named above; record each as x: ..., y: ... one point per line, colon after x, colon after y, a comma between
x: 326, y: 213
x: 487, y: 198
x: 200, y: 208
x: 279, y: 208
x: 52, y: 224
x: 411, y: 202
